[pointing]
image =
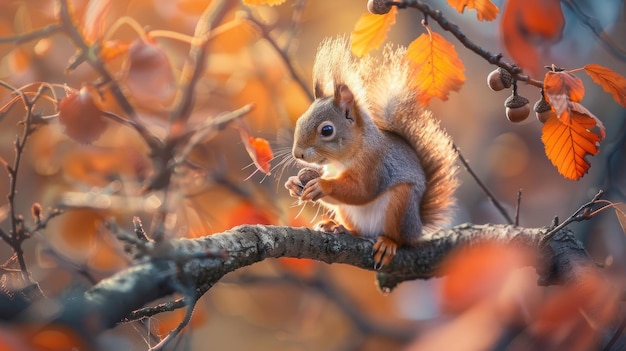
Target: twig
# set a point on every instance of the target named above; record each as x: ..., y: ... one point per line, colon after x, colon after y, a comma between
x: 89, y: 54
x: 595, y: 28
x: 446, y: 25
x: 152, y: 310
x: 34, y: 35
x: 482, y: 185
x: 517, y: 207
x: 287, y: 61
x: 583, y: 213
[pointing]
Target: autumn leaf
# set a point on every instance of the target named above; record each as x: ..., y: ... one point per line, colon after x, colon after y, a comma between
x: 560, y: 88
x: 149, y: 76
x: 259, y: 150
x: 611, y: 82
x: 485, y: 9
x: 93, y: 23
x: 263, y: 2
x: 439, y: 70
x: 620, y: 212
x: 370, y: 31
x: 525, y: 23
x: 568, y: 140
x: 111, y: 49
x: 82, y: 116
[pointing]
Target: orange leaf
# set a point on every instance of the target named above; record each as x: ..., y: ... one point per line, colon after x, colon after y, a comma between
x: 93, y: 23
x: 611, y: 82
x: 561, y: 88
x: 370, y: 31
x: 259, y: 150
x: 525, y: 23
x: 568, y: 140
x: 439, y: 70
x: 263, y: 2
x: 485, y: 9
x: 81, y: 116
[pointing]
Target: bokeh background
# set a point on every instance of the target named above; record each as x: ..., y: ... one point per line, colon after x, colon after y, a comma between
x: 287, y: 304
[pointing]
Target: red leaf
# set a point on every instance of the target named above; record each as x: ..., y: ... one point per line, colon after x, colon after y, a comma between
x: 259, y: 150
x: 81, y: 116
x: 561, y: 88
x: 610, y: 81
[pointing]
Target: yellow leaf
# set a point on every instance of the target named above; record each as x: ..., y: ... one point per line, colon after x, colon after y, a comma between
x: 485, y: 9
x: 263, y: 2
x: 370, y: 31
x: 610, y: 81
x: 437, y: 65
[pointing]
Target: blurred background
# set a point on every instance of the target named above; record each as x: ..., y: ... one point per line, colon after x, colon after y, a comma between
x: 288, y: 304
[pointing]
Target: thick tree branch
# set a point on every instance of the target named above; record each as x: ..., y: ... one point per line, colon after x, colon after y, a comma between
x: 115, y: 298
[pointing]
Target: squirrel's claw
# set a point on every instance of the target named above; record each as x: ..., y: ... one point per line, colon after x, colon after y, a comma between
x: 384, y: 251
x: 330, y: 226
x: 312, y: 190
x: 294, y: 186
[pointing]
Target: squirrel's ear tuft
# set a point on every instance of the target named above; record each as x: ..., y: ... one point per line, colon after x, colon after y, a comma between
x: 343, y: 96
x: 318, y: 91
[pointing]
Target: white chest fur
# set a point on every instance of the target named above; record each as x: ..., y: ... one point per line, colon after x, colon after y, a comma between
x: 368, y: 219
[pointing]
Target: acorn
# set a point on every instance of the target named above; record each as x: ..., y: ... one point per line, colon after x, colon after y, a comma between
x: 378, y: 7
x: 307, y: 174
x: 499, y: 79
x: 543, y: 110
x: 517, y: 108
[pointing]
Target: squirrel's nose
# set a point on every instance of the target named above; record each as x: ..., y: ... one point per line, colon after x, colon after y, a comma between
x: 298, y: 153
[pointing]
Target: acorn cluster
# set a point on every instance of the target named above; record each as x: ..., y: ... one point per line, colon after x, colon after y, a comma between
x: 517, y: 106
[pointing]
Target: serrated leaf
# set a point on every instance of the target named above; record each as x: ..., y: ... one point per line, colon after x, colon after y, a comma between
x: 263, y: 2
x: 485, y: 9
x: 568, y: 140
x: 370, y: 31
x: 437, y: 65
x: 612, y: 82
x: 560, y: 88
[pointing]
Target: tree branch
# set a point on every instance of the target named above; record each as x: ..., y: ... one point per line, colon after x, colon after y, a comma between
x: 114, y: 299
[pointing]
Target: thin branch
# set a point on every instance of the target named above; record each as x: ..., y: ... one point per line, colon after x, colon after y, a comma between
x: 583, y: 213
x: 287, y: 61
x: 517, y: 207
x: 482, y: 185
x: 34, y: 35
x: 446, y: 25
x: 153, y: 310
x: 594, y: 26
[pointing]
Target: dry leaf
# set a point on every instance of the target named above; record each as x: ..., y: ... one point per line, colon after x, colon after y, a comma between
x: 259, y: 150
x: 611, y: 82
x: 439, y: 70
x: 568, y: 140
x: 560, y: 88
x: 93, y: 23
x: 149, y: 75
x: 81, y: 116
x: 525, y: 23
x: 370, y: 31
x: 485, y: 9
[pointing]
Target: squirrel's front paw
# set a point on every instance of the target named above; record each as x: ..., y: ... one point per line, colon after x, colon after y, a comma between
x: 312, y: 190
x: 294, y: 186
x: 330, y: 226
x: 384, y: 251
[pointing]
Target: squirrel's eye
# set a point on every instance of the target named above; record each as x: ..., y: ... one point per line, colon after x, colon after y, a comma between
x: 327, y: 130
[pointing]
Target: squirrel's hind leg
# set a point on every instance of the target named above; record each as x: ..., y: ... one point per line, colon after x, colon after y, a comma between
x: 384, y: 251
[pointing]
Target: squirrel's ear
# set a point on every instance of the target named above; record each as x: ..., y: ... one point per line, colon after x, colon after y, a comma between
x: 318, y: 92
x: 343, y: 96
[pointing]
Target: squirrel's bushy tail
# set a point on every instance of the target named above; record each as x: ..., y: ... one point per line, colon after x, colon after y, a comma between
x: 383, y: 88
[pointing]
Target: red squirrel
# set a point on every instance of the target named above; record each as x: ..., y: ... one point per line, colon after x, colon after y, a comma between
x: 386, y: 169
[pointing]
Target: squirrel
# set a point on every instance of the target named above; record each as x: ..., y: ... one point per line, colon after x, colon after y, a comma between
x: 380, y: 162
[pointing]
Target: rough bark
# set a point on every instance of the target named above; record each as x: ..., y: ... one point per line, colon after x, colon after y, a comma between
x: 175, y: 263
